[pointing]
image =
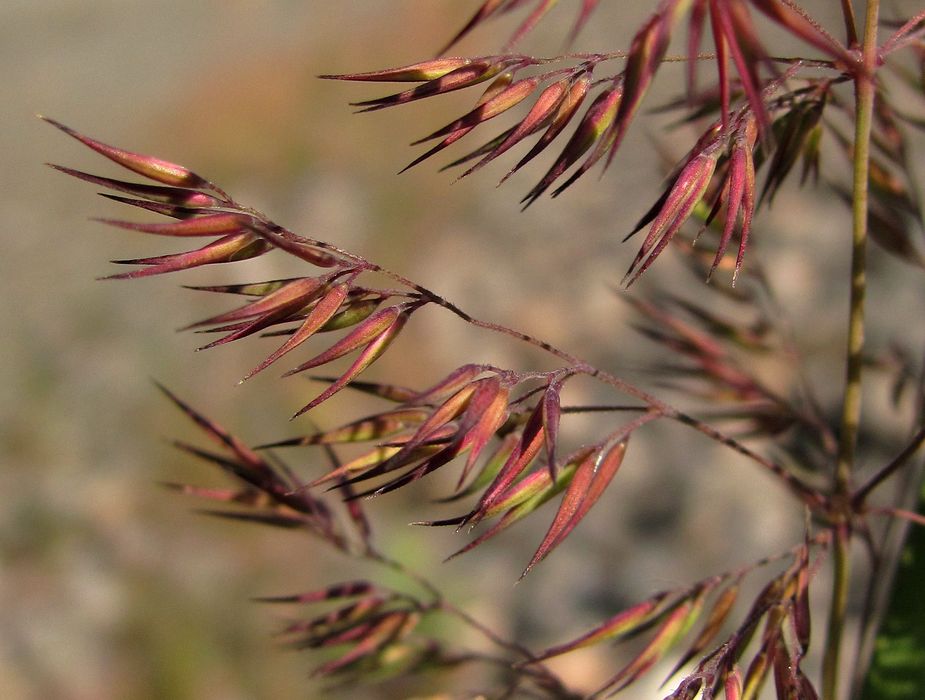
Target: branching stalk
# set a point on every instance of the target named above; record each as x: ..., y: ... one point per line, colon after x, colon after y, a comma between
x: 769, y: 118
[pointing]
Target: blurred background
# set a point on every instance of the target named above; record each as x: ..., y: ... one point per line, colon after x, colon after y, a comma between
x: 111, y: 587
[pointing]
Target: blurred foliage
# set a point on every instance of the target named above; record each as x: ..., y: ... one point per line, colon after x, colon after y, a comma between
x: 897, y: 670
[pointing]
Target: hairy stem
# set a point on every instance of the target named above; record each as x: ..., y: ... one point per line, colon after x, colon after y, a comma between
x: 904, y: 35
x: 864, y: 91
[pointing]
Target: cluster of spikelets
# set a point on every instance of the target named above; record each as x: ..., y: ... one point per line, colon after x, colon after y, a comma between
x: 502, y: 426
x: 472, y: 408
x: 761, y: 118
x: 727, y: 145
x: 429, y: 429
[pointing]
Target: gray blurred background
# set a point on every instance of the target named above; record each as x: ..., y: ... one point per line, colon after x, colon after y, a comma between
x: 111, y: 587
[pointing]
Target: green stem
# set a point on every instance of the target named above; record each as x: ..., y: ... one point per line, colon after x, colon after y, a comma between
x: 836, y: 624
x: 851, y: 406
x: 864, y: 104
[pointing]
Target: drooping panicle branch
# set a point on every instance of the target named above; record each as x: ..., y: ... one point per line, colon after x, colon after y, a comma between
x: 464, y: 415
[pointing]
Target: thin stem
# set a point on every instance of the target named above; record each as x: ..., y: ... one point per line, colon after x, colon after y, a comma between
x: 909, y: 515
x: 290, y: 242
x: 803, y: 491
x: 896, y: 463
x: 903, y: 34
x: 836, y: 623
x: 602, y: 408
x: 851, y: 406
x: 596, y: 58
x: 543, y: 675
x: 851, y: 26
x: 818, y: 27
x: 441, y: 603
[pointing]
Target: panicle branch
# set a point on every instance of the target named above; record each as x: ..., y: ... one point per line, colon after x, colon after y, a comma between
x: 502, y: 421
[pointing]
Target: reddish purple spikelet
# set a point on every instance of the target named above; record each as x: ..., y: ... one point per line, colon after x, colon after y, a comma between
x: 494, y: 103
x: 685, y: 193
x: 320, y: 314
x: 540, y: 114
x: 472, y: 73
x: 273, y: 297
x: 460, y: 127
x: 552, y: 414
x: 362, y: 335
x: 644, y: 59
x: 735, y: 36
x: 619, y: 626
x: 374, y: 335
x: 179, y: 196
x: 154, y: 168
x: 334, y: 592
x: 591, y: 478
x: 414, y: 73
x: 531, y: 442
x: 206, y: 225
x: 573, y: 100
x: 489, y: 411
x: 596, y: 122
x: 236, y: 246
x: 739, y: 192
